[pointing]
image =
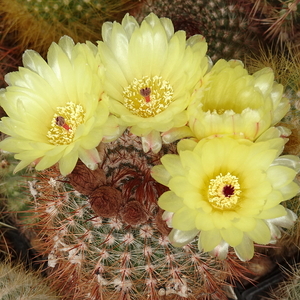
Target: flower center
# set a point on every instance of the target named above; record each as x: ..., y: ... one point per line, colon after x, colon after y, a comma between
x: 224, y: 191
x: 148, y: 97
x: 64, y: 124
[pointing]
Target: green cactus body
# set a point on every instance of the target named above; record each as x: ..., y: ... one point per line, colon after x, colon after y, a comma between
x: 17, y: 284
x: 13, y: 187
x: 37, y: 23
x: 94, y: 257
x: 233, y: 28
x: 279, y: 21
x: 223, y: 25
x: 8, y: 63
x: 289, y: 289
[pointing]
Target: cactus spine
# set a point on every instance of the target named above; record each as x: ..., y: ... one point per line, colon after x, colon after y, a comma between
x: 128, y: 255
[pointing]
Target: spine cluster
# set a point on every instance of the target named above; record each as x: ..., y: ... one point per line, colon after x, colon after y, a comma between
x: 95, y: 257
x: 36, y: 24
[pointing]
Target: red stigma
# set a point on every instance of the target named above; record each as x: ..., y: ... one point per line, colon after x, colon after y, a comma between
x: 228, y: 190
x: 145, y: 92
x: 60, y: 121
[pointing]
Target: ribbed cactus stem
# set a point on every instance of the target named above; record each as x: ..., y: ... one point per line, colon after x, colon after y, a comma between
x: 95, y: 257
x: 223, y: 24
x: 37, y: 23
x: 17, y: 283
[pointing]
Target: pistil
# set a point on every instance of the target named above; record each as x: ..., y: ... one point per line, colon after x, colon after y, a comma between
x: 64, y: 124
x: 148, y: 96
x: 224, y: 191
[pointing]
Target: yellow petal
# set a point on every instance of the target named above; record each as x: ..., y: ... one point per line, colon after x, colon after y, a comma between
x: 273, y: 199
x: 280, y: 176
x: 245, y: 250
x: 244, y: 223
x: 204, y: 222
x: 180, y: 238
x: 290, y: 190
x: 176, y: 134
x: 261, y: 189
x: 261, y: 233
x: 152, y: 142
x: 170, y: 202
x: 90, y: 157
x: 189, y: 159
x: 233, y: 236
x: 221, y: 219
x: 67, y: 163
x: 180, y: 185
x: 160, y: 174
x: 172, y: 164
x: 290, y: 161
x: 21, y: 165
x: 271, y: 213
x: 184, y: 219
x: 210, y: 239
x: 220, y: 251
x: 186, y: 144
x: 48, y: 161
x: 193, y: 200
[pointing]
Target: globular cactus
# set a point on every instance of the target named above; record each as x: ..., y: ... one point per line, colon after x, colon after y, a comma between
x: 289, y: 289
x: 17, y: 283
x: 224, y: 25
x: 9, y: 61
x: 14, y: 202
x: 233, y: 28
x: 35, y: 24
x: 13, y: 186
x: 105, y: 239
x: 277, y: 21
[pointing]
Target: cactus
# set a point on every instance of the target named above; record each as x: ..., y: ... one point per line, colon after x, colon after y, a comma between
x: 224, y: 24
x: 288, y: 289
x: 118, y: 249
x: 13, y: 187
x: 233, y: 28
x: 278, y: 20
x: 14, y: 203
x: 114, y: 250
x: 8, y: 62
x: 17, y: 283
x: 35, y: 24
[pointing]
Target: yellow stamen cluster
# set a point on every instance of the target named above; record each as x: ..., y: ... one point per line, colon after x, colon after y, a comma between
x: 158, y: 97
x: 224, y: 191
x: 62, y: 132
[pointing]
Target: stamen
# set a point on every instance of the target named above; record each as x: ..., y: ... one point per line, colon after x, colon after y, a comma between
x: 148, y: 96
x: 64, y: 124
x: 224, y: 191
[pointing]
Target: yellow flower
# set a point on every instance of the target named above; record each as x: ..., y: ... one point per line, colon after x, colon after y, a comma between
x: 150, y: 74
x: 229, y: 101
x: 56, y: 112
x: 229, y: 192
